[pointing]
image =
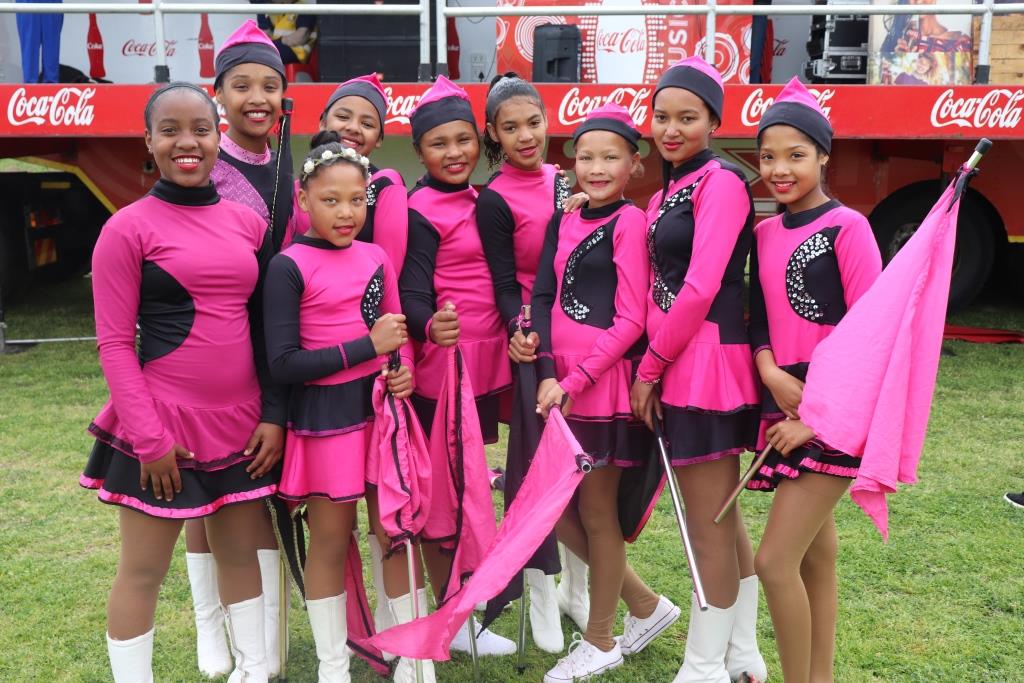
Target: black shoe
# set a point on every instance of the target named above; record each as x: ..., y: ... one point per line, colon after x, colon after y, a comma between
x: 1015, y: 499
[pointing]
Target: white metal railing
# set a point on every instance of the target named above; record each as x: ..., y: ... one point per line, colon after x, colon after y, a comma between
x: 985, y: 8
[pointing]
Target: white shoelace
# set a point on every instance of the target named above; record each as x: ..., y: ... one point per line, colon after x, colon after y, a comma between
x: 578, y: 656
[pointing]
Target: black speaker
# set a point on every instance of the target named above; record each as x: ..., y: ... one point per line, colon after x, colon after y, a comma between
x: 556, y: 53
x: 351, y: 46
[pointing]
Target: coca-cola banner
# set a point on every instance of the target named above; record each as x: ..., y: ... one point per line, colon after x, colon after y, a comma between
x: 629, y: 49
x: 122, y: 48
x: 919, y: 112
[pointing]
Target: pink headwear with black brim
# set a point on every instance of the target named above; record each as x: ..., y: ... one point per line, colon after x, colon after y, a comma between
x: 613, y: 118
x: 443, y: 103
x: 369, y: 88
x: 247, y: 45
x: 797, y: 107
x: 700, y: 78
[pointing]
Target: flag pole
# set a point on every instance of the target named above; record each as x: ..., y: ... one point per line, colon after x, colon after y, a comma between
x: 471, y: 625
x: 282, y: 621
x: 673, y: 488
x: 984, y: 145
x: 414, y: 593
x: 524, y: 327
x: 744, y: 480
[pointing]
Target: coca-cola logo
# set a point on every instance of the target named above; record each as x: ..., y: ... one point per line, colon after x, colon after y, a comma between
x: 781, y: 45
x: 575, y: 107
x: 621, y: 42
x: 135, y: 48
x: 66, y: 107
x: 998, y: 108
x: 400, y: 107
x: 757, y: 103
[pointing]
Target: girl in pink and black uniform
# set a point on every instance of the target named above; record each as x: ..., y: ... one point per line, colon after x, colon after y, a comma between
x: 810, y: 264
x: 193, y: 427
x: 588, y: 311
x: 446, y: 288
x: 356, y: 111
x: 512, y: 214
x: 333, y: 317
x: 697, y: 374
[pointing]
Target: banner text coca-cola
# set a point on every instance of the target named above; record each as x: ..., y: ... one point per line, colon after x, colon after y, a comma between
x: 574, y: 107
x: 66, y: 107
x: 998, y: 108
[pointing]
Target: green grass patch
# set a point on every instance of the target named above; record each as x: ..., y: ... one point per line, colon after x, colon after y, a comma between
x: 942, y: 601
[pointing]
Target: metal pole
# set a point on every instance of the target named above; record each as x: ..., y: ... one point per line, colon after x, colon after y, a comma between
x: 471, y: 625
x: 442, y: 39
x: 673, y: 488
x: 710, y: 33
x: 282, y: 622
x: 983, y: 69
x: 161, y: 73
x: 414, y: 593
x: 426, y: 72
x: 521, y: 660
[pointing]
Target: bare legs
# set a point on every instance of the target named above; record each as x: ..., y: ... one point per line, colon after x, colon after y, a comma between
x: 330, y: 529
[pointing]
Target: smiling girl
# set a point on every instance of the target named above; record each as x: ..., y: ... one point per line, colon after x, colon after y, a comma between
x: 192, y: 429
x: 810, y: 264
x: 588, y: 307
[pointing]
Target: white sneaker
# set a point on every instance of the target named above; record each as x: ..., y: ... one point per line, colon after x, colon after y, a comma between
x: 638, y: 633
x: 583, y: 661
x: 488, y: 643
x: 545, y: 620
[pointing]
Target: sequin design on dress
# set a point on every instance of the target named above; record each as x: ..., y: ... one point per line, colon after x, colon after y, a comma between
x: 662, y: 294
x: 571, y: 304
x: 371, y: 194
x: 817, y: 246
x: 562, y: 190
x: 372, y: 297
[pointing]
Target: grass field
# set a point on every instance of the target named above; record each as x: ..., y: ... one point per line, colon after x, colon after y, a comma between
x: 942, y: 601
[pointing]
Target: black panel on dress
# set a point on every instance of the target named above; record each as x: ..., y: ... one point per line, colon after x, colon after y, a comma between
x: 373, y: 191
x: 262, y: 177
x: 563, y: 190
x: 590, y: 280
x: 814, y: 285
x: 372, y: 296
x: 166, y: 313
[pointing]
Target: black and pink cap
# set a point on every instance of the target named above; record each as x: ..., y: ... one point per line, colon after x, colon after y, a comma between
x: 247, y: 45
x: 443, y: 103
x: 610, y: 117
x: 369, y: 88
x: 700, y: 78
x: 797, y: 107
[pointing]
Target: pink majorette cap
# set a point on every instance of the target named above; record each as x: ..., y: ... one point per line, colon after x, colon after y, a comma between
x: 797, y: 107
x: 443, y: 103
x: 368, y: 87
x: 697, y: 76
x: 610, y: 117
x: 247, y: 45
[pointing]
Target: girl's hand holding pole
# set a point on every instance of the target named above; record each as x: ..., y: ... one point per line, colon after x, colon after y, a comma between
x: 388, y: 333
x: 645, y: 403
x: 788, y: 435
x: 550, y: 393
x: 523, y: 348
x: 444, y: 326
x: 399, y: 381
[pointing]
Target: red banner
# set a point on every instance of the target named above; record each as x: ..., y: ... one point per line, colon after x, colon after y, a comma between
x: 857, y: 111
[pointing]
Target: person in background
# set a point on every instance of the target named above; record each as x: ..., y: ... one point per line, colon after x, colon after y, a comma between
x: 40, y: 32
x: 293, y: 34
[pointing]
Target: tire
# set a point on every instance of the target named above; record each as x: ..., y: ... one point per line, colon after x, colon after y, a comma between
x: 898, y: 216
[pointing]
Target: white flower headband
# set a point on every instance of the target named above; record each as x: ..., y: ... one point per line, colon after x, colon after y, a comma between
x: 328, y: 156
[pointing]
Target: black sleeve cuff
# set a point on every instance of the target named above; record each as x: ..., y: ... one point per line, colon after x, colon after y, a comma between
x: 545, y: 368
x: 358, y: 351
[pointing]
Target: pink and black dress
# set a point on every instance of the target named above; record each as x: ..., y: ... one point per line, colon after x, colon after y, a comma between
x: 387, y: 215
x: 252, y: 180
x: 698, y: 241
x: 588, y: 310
x: 321, y: 302
x: 512, y: 215
x: 186, y: 266
x: 446, y: 262
x: 807, y: 269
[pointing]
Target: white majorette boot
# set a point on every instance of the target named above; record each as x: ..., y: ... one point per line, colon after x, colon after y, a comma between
x: 211, y: 640
x: 131, y: 661
x: 545, y: 619
x: 402, y: 613
x: 639, y: 633
x: 706, y: 642
x: 248, y: 644
x: 583, y: 661
x: 488, y: 643
x: 573, y: 590
x: 743, y: 656
x: 382, y: 619
x: 270, y: 577
x: 330, y: 632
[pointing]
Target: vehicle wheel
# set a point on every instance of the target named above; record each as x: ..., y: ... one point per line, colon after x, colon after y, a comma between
x: 899, y: 215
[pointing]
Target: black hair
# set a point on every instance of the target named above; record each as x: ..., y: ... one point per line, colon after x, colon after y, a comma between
x: 503, y: 88
x: 177, y: 85
x: 329, y: 141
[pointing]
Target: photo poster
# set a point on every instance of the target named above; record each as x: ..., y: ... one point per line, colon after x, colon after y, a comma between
x: 920, y: 49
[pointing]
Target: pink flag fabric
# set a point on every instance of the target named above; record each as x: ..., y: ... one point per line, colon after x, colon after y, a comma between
x: 399, y: 464
x: 358, y: 614
x: 461, y: 514
x: 554, y: 474
x: 870, y: 382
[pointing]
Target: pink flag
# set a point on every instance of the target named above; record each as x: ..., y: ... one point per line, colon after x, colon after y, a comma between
x: 550, y: 482
x: 870, y: 382
x: 358, y: 614
x: 461, y: 510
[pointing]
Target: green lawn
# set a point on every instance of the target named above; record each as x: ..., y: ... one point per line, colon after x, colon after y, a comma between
x: 942, y: 601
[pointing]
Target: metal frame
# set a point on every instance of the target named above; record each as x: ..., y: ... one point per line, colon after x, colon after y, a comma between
x: 712, y: 10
